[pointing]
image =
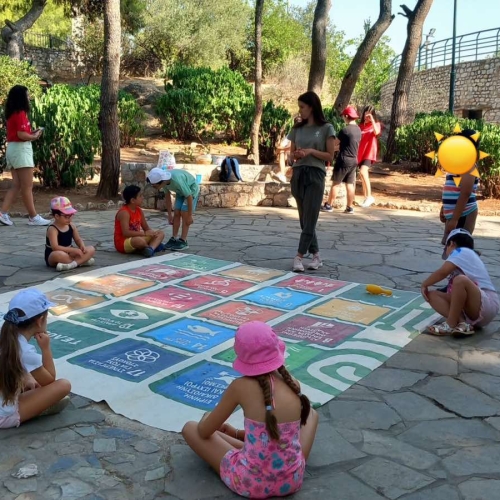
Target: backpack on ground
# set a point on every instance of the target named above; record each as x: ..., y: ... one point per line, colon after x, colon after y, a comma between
x: 230, y: 170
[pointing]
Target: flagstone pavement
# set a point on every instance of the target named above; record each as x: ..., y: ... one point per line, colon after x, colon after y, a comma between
x: 424, y: 426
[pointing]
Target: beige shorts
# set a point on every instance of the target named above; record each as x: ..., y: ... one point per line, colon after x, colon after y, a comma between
x: 19, y: 155
x: 127, y: 244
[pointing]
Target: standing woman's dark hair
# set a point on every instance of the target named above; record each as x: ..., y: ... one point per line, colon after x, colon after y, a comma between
x: 17, y: 100
x: 368, y: 110
x: 311, y: 99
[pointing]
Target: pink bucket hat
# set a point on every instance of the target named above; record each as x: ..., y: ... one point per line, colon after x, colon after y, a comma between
x: 62, y: 204
x: 258, y: 349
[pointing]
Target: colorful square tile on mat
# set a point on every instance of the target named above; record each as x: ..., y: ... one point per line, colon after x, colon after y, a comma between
x: 175, y: 299
x: 191, y: 334
x: 199, y: 264
x: 121, y: 317
x: 115, y: 285
x: 67, y: 300
x: 128, y: 359
x: 200, y: 385
x: 158, y: 272
x: 237, y: 313
x: 219, y: 285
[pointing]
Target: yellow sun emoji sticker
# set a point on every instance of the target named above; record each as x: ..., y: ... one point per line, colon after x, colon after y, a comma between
x: 458, y: 154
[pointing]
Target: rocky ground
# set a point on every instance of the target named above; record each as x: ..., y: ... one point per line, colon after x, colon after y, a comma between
x: 424, y: 426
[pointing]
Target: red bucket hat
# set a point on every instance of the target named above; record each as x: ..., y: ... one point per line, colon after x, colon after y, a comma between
x: 351, y: 112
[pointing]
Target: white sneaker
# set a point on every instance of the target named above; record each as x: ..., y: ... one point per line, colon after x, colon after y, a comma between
x: 316, y: 262
x: 90, y: 262
x: 368, y: 202
x: 38, y: 220
x: 298, y: 266
x: 66, y: 267
x: 5, y: 219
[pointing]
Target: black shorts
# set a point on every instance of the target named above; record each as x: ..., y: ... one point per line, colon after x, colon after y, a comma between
x: 366, y: 163
x: 344, y: 173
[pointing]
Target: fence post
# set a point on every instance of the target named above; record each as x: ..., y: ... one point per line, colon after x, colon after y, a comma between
x: 419, y: 57
x: 50, y: 42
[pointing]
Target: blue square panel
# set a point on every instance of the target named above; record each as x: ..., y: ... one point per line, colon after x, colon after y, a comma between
x: 128, y: 359
x: 281, y: 298
x: 192, y: 335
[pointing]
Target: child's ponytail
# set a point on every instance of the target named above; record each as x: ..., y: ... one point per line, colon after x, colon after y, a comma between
x: 11, y: 367
x: 290, y: 382
x: 271, y: 422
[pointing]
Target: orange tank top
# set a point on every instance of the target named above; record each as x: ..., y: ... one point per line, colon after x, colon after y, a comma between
x: 134, y: 225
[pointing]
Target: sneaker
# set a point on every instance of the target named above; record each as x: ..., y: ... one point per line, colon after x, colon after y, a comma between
x: 349, y: 210
x: 5, y: 219
x: 57, y: 408
x: 298, y: 266
x: 316, y: 262
x: 170, y: 243
x: 38, y: 220
x: 369, y: 201
x: 90, y: 262
x: 160, y: 248
x: 326, y: 208
x: 148, y: 252
x: 66, y: 267
x: 179, y: 245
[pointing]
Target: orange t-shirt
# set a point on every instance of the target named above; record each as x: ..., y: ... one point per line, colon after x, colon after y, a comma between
x: 135, y: 224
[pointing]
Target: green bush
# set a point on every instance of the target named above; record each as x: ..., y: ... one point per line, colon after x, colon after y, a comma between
x: 71, y: 138
x: 334, y: 118
x: 413, y: 141
x: 203, y: 103
x: 14, y: 72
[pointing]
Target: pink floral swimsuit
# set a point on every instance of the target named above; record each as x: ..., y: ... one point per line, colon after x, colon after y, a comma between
x: 264, y: 467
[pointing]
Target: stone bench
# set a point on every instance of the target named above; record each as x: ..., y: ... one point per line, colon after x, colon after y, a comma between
x: 257, y: 189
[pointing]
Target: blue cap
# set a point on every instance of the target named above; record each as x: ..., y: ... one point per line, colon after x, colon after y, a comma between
x: 32, y: 302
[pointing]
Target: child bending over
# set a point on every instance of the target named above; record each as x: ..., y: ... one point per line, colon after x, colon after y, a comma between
x: 268, y: 457
x: 187, y: 192
x: 25, y: 395
x: 132, y: 232
x: 471, y: 298
x: 59, y: 252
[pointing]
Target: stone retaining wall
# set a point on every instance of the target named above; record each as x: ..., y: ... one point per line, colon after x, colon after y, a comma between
x: 251, y: 192
x: 477, y: 88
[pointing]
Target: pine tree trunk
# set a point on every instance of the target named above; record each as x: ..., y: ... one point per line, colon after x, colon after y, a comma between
x: 414, y: 30
x: 12, y: 33
x: 259, y: 7
x: 108, y: 117
x: 373, y: 35
x: 318, y: 51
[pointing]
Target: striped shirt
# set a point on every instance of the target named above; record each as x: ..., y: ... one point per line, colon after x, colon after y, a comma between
x: 451, y: 192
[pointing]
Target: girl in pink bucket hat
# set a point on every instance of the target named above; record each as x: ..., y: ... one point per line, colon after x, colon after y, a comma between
x: 267, y: 458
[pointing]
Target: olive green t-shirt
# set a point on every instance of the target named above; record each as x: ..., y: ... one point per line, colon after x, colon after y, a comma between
x: 311, y: 137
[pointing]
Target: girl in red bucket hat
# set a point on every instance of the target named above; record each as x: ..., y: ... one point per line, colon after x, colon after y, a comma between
x: 267, y: 458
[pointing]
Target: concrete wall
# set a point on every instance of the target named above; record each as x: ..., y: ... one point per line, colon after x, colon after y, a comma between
x: 477, y: 88
x: 52, y: 63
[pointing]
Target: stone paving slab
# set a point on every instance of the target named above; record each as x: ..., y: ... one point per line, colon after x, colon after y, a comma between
x: 424, y: 426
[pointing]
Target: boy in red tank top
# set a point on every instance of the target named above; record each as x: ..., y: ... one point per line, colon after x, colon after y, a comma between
x: 132, y: 232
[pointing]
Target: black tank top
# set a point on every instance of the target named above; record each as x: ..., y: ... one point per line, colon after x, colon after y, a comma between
x: 64, y: 239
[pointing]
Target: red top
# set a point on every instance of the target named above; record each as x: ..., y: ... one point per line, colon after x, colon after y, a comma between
x: 135, y: 224
x: 17, y: 122
x: 368, y: 147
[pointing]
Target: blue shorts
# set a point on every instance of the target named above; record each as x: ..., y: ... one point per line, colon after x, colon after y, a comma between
x: 181, y: 203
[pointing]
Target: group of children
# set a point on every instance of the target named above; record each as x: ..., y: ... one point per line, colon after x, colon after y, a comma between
x: 65, y: 249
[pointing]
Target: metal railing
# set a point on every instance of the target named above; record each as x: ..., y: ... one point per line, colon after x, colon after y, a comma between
x: 470, y: 47
x: 43, y: 40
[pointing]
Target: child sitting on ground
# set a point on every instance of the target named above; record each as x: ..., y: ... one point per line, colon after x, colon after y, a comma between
x: 268, y: 457
x: 132, y: 232
x: 24, y: 396
x: 471, y: 298
x: 186, y: 190
x: 59, y: 252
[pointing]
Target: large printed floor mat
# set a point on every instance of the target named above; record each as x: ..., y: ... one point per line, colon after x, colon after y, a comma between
x: 153, y: 338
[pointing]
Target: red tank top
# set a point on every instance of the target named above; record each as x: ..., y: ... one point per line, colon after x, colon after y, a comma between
x: 134, y: 225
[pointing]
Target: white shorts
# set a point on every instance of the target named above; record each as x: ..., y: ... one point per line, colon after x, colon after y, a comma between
x: 19, y: 155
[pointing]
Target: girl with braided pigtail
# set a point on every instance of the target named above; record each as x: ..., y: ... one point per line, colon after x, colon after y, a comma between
x: 267, y: 458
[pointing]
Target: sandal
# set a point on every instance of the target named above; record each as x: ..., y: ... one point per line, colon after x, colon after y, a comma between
x: 463, y: 329
x: 441, y: 330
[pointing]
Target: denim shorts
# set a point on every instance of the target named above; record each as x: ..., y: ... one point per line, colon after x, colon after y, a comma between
x: 19, y: 155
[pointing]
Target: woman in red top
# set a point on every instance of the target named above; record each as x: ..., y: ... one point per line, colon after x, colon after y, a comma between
x: 19, y: 156
x: 368, y: 150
